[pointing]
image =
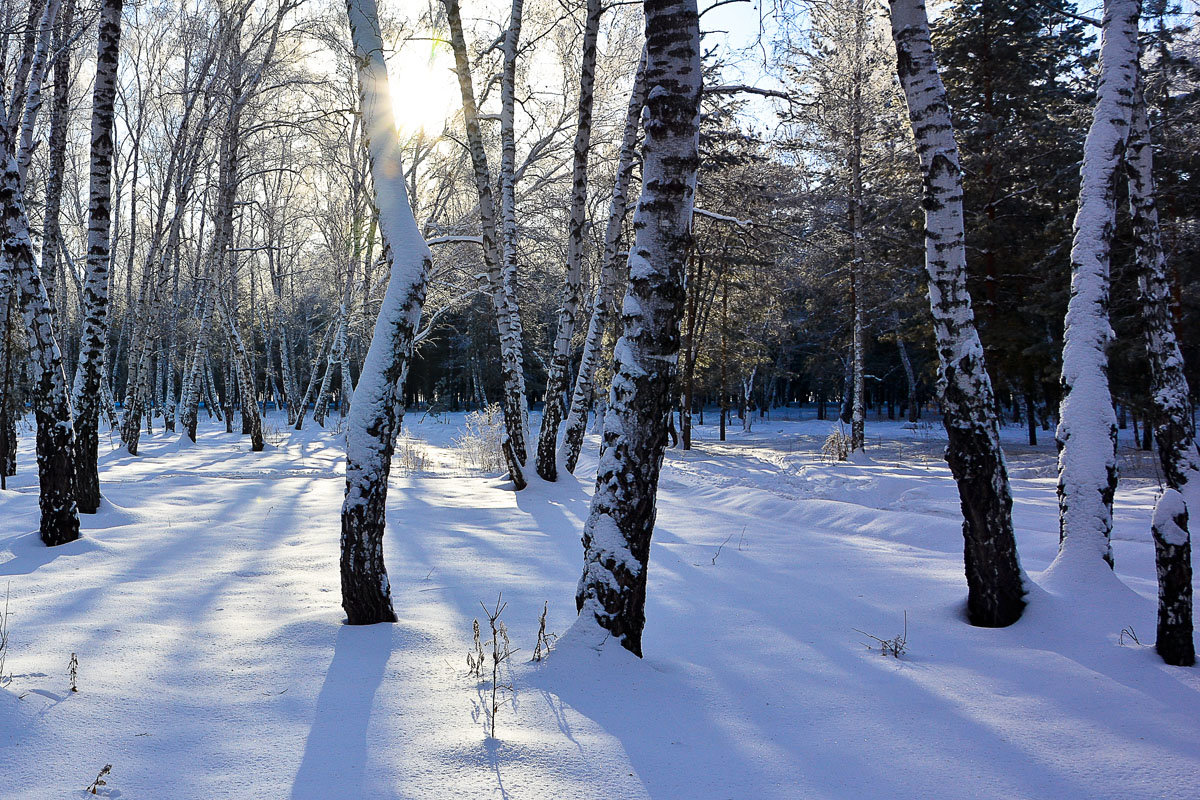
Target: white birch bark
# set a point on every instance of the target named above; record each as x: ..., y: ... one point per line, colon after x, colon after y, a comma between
x: 508, y: 324
x: 376, y: 411
x: 1174, y: 430
x: 51, y: 402
x: 593, y: 343
x: 611, y: 596
x: 1087, y: 429
x: 995, y: 589
x: 94, y: 338
x: 557, y: 382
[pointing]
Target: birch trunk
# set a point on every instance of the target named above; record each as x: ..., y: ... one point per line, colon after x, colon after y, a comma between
x: 1173, y: 426
x: 910, y: 379
x: 377, y: 410
x: 312, y: 379
x: 245, y: 381
x: 56, y: 154
x: 611, y: 596
x: 95, y: 291
x: 1087, y: 429
x: 593, y: 343
x: 508, y: 222
x: 508, y: 325
x: 51, y: 402
x: 996, y: 593
x: 558, y: 381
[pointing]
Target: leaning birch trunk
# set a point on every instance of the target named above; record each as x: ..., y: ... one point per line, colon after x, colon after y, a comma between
x: 39, y: 66
x: 593, y: 343
x: 312, y: 378
x: 995, y: 588
x: 51, y: 403
x: 558, y: 381
x: 377, y: 409
x: 245, y: 378
x: 95, y: 290
x: 1087, y: 429
x: 509, y: 330
x: 1169, y: 393
x: 335, y: 355
x: 611, y: 597
x: 56, y: 148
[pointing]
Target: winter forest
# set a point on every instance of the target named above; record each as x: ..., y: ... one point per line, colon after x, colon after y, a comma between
x: 607, y: 399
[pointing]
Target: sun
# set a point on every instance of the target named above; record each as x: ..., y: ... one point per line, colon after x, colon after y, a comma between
x: 423, y: 87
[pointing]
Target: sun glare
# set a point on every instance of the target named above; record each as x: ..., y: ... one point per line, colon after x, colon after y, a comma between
x: 424, y: 90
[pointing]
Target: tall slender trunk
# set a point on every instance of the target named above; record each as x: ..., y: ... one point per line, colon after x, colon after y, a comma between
x: 377, y: 410
x: 309, y: 392
x: 910, y: 380
x: 593, y: 343
x: 245, y: 381
x: 56, y: 152
x: 95, y: 292
x: 508, y: 322
x: 1169, y: 394
x: 611, y: 596
x: 558, y: 381
x: 995, y: 589
x: 858, y: 414
x: 1087, y: 429
x: 508, y: 215
x: 51, y: 402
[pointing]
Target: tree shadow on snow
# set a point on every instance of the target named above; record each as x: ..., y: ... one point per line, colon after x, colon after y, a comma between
x: 335, y: 754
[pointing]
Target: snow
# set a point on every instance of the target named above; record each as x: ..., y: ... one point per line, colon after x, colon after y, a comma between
x: 203, y: 606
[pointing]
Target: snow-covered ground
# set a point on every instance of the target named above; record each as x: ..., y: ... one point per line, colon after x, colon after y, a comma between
x: 203, y: 606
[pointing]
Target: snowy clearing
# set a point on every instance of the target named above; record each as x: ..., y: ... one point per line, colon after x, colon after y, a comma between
x: 203, y: 606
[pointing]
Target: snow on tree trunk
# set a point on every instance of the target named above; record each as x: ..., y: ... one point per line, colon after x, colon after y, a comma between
x: 1173, y: 426
x: 51, y: 403
x: 95, y: 289
x: 612, y: 590
x: 377, y: 409
x: 994, y: 580
x: 558, y: 379
x: 593, y: 343
x: 508, y: 322
x: 1087, y: 429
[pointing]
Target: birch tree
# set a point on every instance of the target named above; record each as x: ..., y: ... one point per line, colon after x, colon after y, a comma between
x: 558, y: 379
x: 87, y: 389
x: 1087, y: 429
x: 611, y: 596
x: 995, y: 589
x: 377, y: 409
x: 581, y: 396
x: 1173, y: 429
x: 51, y: 403
x: 495, y: 249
